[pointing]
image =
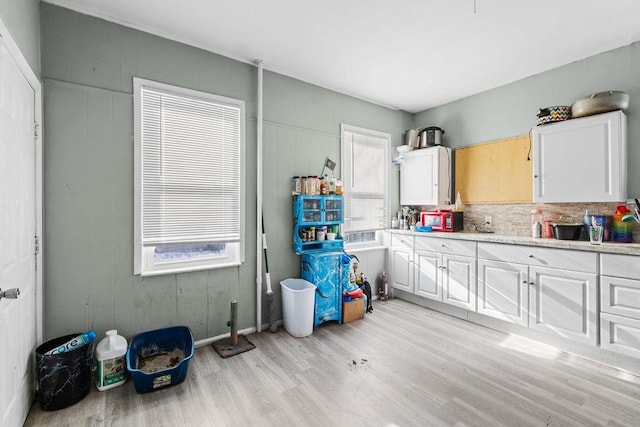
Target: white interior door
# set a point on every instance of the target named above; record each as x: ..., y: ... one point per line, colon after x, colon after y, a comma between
x: 18, y: 228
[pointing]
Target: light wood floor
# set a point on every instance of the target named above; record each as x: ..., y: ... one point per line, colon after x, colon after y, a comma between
x: 403, y: 365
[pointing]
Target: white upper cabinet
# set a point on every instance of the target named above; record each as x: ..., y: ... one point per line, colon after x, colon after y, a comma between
x: 425, y: 177
x: 581, y: 160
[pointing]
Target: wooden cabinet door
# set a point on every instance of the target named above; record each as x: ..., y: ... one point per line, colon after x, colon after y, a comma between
x: 459, y: 281
x: 563, y: 303
x: 503, y: 291
x: 581, y: 160
x: 428, y: 275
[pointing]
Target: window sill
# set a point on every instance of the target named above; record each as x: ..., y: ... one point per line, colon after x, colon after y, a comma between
x: 367, y: 247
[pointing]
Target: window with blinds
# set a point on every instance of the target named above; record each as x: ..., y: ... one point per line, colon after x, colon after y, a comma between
x: 365, y: 176
x: 189, y: 150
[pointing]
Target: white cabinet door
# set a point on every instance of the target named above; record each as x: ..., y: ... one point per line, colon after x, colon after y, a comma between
x: 503, y: 291
x: 428, y: 273
x: 620, y: 307
x: 401, y: 270
x: 620, y: 334
x: 401, y: 262
x: 459, y: 281
x: 425, y: 176
x: 620, y: 296
x: 581, y: 160
x: 563, y: 303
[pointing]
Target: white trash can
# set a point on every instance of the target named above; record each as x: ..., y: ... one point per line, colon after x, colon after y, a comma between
x: 298, y: 303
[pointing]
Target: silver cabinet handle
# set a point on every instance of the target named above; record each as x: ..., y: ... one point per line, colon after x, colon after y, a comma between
x: 10, y: 293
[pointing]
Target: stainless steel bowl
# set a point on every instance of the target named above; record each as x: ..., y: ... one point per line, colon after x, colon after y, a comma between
x: 601, y: 102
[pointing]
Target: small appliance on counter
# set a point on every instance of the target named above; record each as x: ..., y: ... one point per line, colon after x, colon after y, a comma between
x: 443, y: 220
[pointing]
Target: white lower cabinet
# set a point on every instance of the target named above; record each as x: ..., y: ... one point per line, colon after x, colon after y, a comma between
x: 401, y: 262
x: 459, y: 281
x: 435, y: 268
x: 563, y: 302
x: 503, y: 291
x: 550, y: 290
x: 554, y: 291
x: 620, y: 304
x: 428, y: 274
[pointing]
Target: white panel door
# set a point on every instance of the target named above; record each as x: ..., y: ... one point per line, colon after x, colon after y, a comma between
x: 428, y: 274
x: 581, y: 160
x: 401, y: 266
x: 459, y: 281
x: 503, y: 291
x: 17, y: 245
x: 419, y: 178
x: 620, y: 334
x: 563, y: 303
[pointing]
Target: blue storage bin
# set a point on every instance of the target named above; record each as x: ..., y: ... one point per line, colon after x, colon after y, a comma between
x: 155, y: 342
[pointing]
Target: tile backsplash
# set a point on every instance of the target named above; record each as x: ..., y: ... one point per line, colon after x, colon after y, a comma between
x: 515, y: 219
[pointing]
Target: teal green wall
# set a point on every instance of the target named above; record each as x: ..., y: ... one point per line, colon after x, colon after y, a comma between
x: 511, y: 110
x: 87, y: 68
x: 22, y: 18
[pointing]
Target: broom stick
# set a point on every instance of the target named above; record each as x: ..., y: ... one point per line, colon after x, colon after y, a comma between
x: 270, y: 308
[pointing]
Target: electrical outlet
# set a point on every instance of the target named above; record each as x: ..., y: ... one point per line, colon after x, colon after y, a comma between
x: 488, y: 221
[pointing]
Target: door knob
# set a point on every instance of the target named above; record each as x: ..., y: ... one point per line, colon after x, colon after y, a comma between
x: 10, y: 293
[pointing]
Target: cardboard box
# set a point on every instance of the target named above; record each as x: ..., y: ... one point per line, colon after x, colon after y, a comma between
x: 353, y: 310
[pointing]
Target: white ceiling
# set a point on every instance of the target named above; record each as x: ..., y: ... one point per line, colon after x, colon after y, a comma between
x: 405, y: 54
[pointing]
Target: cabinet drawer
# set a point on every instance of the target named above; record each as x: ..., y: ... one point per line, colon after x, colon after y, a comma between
x: 620, y: 266
x: 399, y: 240
x: 541, y: 257
x: 620, y: 334
x: 620, y: 296
x: 446, y: 246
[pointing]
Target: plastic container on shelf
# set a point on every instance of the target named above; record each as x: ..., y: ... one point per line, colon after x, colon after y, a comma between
x: 622, y: 231
x: 339, y: 188
x: 536, y: 222
x: 311, y: 185
x: 298, y: 300
x: 303, y: 185
x: 296, y: 185
x: 110, y: 358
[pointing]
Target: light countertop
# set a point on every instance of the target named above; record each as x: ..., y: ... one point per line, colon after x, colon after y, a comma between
x: 578, y: 245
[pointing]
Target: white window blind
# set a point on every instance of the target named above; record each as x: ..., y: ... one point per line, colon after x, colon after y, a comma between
x: 190, y: 169
x: 365, y: 161
x: 189, y: 149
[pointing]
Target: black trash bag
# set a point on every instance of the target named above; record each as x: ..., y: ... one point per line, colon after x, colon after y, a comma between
x: 366, y: 289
